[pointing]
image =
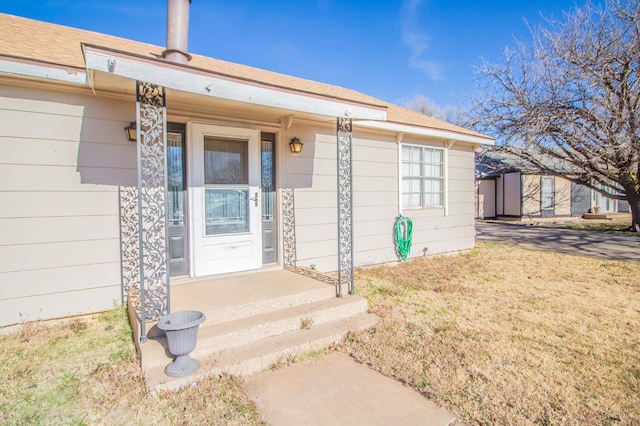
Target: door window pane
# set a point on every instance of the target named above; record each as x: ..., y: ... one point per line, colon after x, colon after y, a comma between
x: 268, y: 188
x: 226, y: 210
x: 225, y: 161
x: 175, y: 179
x: 226, y: 175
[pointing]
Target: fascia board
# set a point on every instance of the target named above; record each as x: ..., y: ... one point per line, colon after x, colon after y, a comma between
x: 423, y: 131
x: 201, y: 83
x: 44, y: 71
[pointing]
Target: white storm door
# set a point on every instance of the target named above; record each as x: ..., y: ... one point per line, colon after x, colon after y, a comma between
x: 224, y: 189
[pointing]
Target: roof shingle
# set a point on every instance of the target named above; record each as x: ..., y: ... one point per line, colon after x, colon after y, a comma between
x: 60, y: 45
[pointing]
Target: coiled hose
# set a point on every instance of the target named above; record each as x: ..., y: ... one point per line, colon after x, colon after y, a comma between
x: 403, y: 234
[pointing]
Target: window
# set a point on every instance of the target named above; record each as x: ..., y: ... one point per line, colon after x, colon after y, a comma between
x: 176, y: 188
x: 226, y: 179
x: 267, y: 150
x: 422, y: 176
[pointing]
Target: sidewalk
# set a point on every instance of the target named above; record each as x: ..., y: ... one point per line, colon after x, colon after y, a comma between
x: 336, y: 390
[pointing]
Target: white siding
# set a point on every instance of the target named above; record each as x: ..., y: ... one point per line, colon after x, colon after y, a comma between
x: 376, y: 183
x: 486, y: 198
x: 62, y: 158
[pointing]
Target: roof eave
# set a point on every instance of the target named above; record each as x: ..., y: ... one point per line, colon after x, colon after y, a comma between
x: 203, y: 83
x: 426, y: 131
x: 26, y: 68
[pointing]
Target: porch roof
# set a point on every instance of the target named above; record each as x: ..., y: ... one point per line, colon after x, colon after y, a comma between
x: 41, y: 44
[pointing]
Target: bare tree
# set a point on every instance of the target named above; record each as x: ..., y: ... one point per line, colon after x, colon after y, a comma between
x: 423, y: 105
x: 573, y: 94
x: 458, y: 115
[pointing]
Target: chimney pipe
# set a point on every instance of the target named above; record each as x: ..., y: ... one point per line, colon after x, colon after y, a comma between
x: 177, y: 31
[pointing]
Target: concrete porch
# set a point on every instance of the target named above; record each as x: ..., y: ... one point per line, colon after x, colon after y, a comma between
x: 254, y: 320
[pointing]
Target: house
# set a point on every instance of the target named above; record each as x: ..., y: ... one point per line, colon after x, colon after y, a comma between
x: 509, y: 187
x: 125, y: 166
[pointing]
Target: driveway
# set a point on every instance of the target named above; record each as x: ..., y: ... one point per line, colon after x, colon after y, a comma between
x: 583, y: 243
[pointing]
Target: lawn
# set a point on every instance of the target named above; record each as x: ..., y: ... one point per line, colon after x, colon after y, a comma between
x: 85, y: 371
x: 499, y: 335
x: 507, y: 336
x: 616, y: 224
x: 614, y: 228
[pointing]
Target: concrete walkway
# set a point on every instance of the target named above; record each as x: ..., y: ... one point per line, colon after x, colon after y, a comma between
x: 582, y: 243
x: 336, y: 390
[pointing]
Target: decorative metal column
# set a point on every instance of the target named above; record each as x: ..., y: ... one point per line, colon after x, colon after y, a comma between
x: 129, y: 244
x: 345, y: 205
x: 288, y: 228
x: 152, y: 218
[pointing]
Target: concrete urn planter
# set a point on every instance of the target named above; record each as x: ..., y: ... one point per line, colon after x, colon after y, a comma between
x: 181, y: 329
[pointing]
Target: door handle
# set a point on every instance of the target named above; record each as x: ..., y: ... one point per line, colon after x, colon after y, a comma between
x: 255, y: 199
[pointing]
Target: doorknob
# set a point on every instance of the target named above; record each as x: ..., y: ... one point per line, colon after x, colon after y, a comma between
x: 255, y: 199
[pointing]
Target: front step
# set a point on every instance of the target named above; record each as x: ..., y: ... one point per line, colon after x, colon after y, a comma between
x: 253, y: 322
x: 265, y: 353
x: 214, y: 338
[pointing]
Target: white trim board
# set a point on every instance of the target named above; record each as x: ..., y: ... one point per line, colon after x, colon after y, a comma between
x: 422, y: 131
x: 201, y: 83
x: 49, y: 72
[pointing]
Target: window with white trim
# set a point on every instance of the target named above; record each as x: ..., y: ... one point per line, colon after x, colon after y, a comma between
x: 423, y: 174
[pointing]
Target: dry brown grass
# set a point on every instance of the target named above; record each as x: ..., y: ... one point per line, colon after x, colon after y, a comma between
x: 503, y: 335
x: 85, y: 371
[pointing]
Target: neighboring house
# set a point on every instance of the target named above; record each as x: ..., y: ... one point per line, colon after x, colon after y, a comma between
x: 507, y: 187
x: 209, y: 184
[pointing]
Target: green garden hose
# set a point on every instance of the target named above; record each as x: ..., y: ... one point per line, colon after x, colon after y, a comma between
x: 404, y: 233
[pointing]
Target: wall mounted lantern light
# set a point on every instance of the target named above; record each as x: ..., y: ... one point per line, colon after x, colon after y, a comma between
x: 132, y: 132
x: 295, y: 145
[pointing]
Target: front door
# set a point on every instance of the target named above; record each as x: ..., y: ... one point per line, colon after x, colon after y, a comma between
x: 225, y: 194
x: 547, y: 196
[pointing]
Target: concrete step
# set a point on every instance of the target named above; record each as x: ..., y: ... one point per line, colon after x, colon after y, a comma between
x: 214, y: 338
x: 258, y: 307
x: 261, y: 354
x: 246, y: 295
x: 246, y: 330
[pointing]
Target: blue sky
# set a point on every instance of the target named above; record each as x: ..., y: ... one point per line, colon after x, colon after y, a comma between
x: 393, y: 50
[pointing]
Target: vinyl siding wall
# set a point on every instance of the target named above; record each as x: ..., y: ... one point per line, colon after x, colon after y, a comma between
x: 563, y: 197
x: 486, y: 198
x: 62, y: 157
x: 376, y: 183
x: 531, y: 196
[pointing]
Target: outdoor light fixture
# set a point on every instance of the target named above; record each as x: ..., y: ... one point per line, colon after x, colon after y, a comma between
x: 295, y: 145
x: 132, y: 132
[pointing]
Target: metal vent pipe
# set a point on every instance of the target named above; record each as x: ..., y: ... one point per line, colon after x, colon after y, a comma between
x: 177, y: 31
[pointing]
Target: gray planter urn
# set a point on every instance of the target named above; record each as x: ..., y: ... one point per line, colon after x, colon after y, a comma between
x: 181, y: 329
